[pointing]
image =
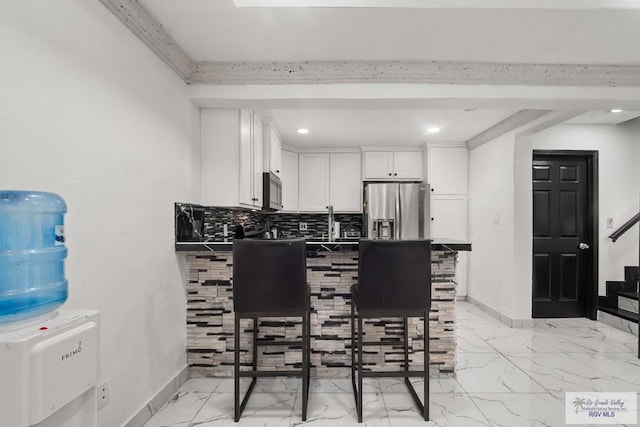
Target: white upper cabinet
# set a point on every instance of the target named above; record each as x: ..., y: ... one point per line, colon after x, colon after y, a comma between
x: 231, y: 158
x: 407, y: 165
x: 393, y: 165
x: 272, y: 146
x: 345, y: 183
x: 378, y: 164
x: 330, y: 179
x: 245, y: 175
x: 289, y: 178
x: 313, y: 181
x: 447, y: 169
x: 257, y: 161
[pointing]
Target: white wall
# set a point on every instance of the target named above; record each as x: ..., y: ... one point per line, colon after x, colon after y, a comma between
x: 491, y: 193
x: 89, y: 112
x: 500, y: 191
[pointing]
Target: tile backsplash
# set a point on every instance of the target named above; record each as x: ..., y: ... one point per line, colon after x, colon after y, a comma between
x: 286, y: 224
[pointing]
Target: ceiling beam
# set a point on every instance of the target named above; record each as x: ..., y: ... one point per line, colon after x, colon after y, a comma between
x: 147, y: 28
x: 448, y: 4
x: 427, y: 72
x: 512, y: 122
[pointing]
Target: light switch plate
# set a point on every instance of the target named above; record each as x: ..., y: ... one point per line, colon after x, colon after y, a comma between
x: 302, y: 226
x: 609, y: 222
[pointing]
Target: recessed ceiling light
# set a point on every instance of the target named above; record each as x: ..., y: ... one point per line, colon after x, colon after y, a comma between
x: 615, y: 110
x: 433, y: 129
x: 303, y: 131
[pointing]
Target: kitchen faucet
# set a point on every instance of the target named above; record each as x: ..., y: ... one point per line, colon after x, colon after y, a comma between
x: 330, y: 223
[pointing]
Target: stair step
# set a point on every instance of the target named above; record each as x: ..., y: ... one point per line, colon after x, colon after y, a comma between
x: 631, y: 273
x: 628, y: 301
x: 623, y: 314
x: 630, y: 295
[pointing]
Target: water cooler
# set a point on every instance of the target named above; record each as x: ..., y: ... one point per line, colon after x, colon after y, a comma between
x: 49, y: 371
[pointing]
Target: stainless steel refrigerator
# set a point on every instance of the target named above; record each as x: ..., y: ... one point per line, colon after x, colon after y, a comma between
x: 396, y: 210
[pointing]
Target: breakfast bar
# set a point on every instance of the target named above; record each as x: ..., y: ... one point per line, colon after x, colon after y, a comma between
x: 332, y: 267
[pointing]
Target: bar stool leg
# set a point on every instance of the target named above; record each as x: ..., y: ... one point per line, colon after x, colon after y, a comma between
x: 255, y: 345
x: 236, y: 369
x: 406, y: 345
x: 353, y: 352
x: 426, y: 366
x: 308, y: 350
x: 359, y: 368
x: 305, y: 366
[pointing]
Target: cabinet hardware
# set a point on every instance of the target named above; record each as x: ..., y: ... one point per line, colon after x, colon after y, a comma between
x: 395, y: 174
x: 389, y: 173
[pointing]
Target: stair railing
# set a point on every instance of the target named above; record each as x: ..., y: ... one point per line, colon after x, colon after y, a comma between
x: 615, y: 236
x: 625, y: 227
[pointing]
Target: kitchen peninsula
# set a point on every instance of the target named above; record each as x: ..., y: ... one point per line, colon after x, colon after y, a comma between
x: 332, y: 267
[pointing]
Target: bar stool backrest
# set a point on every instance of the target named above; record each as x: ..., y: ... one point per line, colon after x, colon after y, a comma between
x: 269, y: 276
x: 394, y: 275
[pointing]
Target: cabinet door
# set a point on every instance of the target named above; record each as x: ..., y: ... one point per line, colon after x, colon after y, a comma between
x: 275, y: 153
x: 407, y: 165
x: 345, y: 182
x: 449, y: 218
x: 219, y: 157
x: 448, y: 170
x: 378, y: 165
x: 245, y: 167
x: 313, y: 191
x: 257, y: 161
x: 289, y: 181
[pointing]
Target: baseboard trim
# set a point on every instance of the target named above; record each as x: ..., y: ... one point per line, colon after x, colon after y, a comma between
x: 512, y: 323
x: 461, y: 297
x: 156, y: 402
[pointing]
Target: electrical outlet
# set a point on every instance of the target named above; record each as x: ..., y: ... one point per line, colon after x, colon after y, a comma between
x: 609, y: 222
x: 302, y: 226
x: 102, y: 395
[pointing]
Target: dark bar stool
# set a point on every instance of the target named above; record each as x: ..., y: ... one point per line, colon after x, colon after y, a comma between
x: 394, y: 280
x: 270, y: 280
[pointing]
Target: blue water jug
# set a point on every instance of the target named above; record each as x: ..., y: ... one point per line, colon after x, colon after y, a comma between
x: 32, y: 254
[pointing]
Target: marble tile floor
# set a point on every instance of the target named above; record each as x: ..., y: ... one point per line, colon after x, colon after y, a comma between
x: 505, y: 377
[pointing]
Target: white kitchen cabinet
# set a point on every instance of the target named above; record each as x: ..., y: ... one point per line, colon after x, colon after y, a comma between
x: 257, y: 168
x: 230, y: 158
x: 449, y: 217
x: 393, y: 165
x: 289, y: 176
x: 378, y: 164
x: 345, y: 183
x: 447, y: 169
x: 313, y: 181
x: 449, y: 221
x: 272, y: 150
x: 329, y: 179
x: 407, y: 165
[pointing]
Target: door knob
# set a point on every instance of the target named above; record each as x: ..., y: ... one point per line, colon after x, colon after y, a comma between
x: 583, y: 246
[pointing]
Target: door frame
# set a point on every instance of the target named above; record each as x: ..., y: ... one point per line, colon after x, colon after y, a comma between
x: 592, y: 217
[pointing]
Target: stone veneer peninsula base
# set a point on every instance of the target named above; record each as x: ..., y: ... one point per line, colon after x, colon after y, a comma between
x: 330, y: 274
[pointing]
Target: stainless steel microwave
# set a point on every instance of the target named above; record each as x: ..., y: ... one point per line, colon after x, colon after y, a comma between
x: 272, y: 192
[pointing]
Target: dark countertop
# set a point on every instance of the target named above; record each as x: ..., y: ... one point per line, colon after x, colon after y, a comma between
x: 316, y: 245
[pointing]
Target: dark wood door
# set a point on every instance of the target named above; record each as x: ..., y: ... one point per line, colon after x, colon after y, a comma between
x: 561, y: 242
